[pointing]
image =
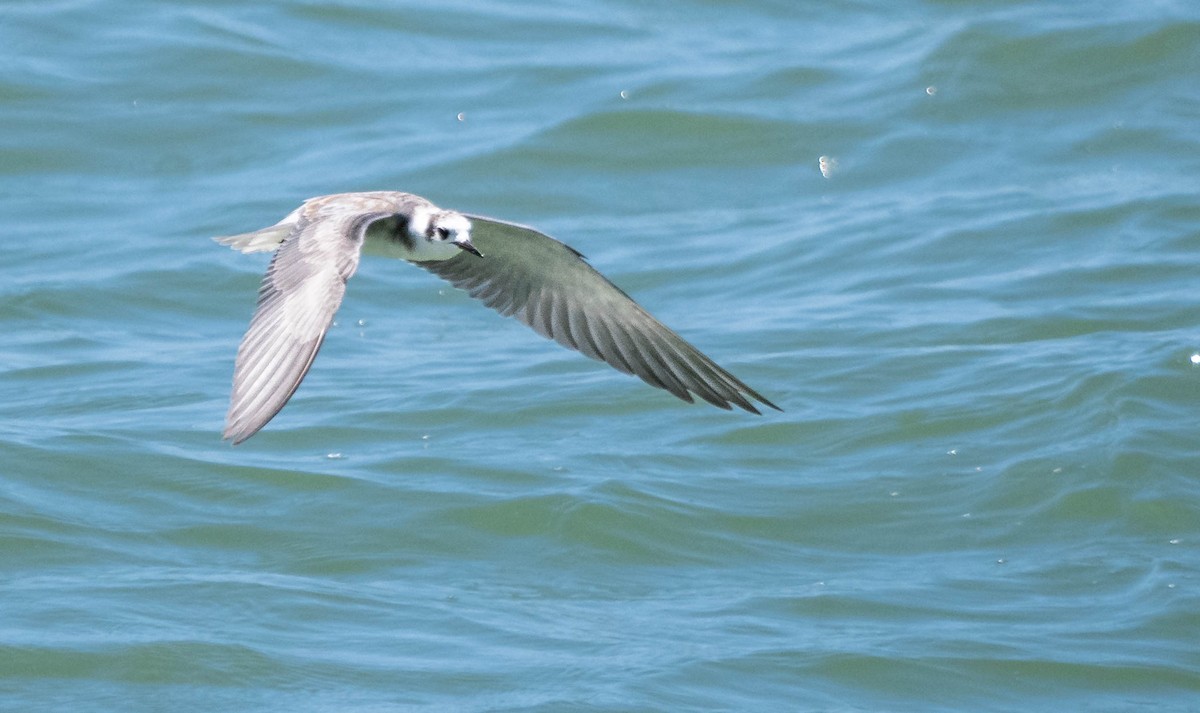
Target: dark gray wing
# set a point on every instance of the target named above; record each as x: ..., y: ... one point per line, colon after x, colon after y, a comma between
x: 300, y: 293
x: 542, y: 282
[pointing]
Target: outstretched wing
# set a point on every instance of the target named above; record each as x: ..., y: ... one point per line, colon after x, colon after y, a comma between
x: 550, y: 287
x: 299, y: 295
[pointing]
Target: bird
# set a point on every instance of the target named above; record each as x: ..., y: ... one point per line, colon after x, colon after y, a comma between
x: 514, y: 269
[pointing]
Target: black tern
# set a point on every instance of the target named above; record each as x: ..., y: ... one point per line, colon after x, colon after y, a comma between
x: 515, y: 270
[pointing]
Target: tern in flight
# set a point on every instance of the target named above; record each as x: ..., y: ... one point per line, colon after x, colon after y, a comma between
x: 513, y: 269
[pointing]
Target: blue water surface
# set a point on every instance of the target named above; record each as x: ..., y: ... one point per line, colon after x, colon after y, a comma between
x: 955, y: 241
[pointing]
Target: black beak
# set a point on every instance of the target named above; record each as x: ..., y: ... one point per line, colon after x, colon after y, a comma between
x: 465, y: 244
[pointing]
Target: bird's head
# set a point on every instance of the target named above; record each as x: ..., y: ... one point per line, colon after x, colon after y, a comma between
x: 453, y: 228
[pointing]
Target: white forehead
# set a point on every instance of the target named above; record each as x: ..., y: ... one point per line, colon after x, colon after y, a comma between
x: 454, y: 222
x: 424, y: 219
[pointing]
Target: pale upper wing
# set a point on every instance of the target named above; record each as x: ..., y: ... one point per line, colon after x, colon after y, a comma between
x: 299, y: 295
x: 549, y: 286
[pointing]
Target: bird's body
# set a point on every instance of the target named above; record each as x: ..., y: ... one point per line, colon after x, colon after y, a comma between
x: 514, y: 269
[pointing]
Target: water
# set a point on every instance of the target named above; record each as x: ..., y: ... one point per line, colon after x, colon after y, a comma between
x: 983, y: 493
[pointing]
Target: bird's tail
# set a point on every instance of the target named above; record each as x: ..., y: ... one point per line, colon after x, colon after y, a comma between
x: 258, y: 241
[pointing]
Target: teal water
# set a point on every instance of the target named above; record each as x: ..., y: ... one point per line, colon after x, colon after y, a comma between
x: 983, y: 493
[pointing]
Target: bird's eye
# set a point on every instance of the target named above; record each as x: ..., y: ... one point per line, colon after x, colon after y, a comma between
x: 443, y: 233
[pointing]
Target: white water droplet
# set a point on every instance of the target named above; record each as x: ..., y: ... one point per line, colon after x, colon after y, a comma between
x: 828, y: 165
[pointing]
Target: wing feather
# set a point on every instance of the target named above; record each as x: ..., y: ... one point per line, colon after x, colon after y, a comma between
x: 299, y: 295
x: 551, y: 288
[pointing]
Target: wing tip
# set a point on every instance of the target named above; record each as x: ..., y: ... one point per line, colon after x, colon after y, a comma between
x: 764, y: 401
x: 238, y: 434
x: 743, y: 398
